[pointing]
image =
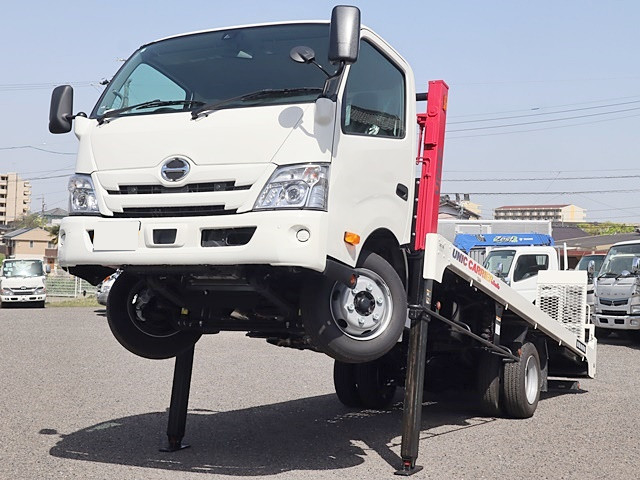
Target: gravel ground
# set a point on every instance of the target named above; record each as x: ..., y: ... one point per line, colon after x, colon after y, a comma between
x: 77, y: 405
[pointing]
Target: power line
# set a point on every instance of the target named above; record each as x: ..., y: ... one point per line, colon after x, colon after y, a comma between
x: 587, y: 192
x: 544, y: 128
x: 545, y: 107
x: 546, y: 113
x: 573, y: 117
x: 13, y: 87
x: 19, y: 147
x: 600, y: 177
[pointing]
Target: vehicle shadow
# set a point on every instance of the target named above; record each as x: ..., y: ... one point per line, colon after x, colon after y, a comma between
x: 316, y: 433
x: 624, y: 339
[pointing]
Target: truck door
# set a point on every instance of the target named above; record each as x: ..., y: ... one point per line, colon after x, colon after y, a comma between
x: 372, y: 173
x: 525, y: 273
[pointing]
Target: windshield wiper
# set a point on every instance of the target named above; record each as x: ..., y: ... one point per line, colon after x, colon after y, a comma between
x: 608, y: 275
x: 259, y: 94
x: 150, y: 104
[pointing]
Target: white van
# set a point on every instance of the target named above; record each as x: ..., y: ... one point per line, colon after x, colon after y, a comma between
x: 23, y: 280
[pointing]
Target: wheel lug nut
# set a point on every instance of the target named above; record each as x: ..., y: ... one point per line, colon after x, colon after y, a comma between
x: 350, y: 307
x: 369, y: 287
x: 376, y: 316
x: 361, y: 321
x: 379, y: 300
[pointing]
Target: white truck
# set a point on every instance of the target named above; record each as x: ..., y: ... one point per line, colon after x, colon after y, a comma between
x: 617, y: 291
x: 516, y: 258
x: 23, y: 280
x: 261, y: 179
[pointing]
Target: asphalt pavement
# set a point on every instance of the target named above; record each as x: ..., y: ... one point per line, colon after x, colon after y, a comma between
x: 75, y: 404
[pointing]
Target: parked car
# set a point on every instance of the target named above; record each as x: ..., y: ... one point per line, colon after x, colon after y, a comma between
x: 103, y: 288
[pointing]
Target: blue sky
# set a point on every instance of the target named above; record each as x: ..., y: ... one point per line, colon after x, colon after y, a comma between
x: 566, y: 71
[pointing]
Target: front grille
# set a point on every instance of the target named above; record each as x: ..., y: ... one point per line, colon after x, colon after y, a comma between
x: 23, y: 292
x: 614, y: 312
x: 190, y: 188
x: 155, y: 212
x: 613, y: 302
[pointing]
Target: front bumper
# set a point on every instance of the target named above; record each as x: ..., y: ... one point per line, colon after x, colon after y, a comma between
x: 23, y: 298
x: 617, y: 322
x: 281, y: 238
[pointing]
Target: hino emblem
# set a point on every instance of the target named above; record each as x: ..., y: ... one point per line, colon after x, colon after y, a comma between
x: 174, y: 169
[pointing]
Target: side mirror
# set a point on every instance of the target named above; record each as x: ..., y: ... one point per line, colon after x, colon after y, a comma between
x: 61, y: 111
x: 591, y: 268
x: 302, y: 54
x: 47, y: 268
x: 500, y: 270
x: 635, y: 265
x: 344, y: 37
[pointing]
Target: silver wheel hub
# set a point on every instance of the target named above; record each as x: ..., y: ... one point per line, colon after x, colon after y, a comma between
x: 365, y: 311
x: 531, y: 380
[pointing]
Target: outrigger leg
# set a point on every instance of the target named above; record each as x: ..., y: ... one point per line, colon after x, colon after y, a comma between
x: 179, y: 401
x: 414, y: 384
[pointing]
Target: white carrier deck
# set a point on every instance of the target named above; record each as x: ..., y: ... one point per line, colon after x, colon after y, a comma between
x: 560, y: 311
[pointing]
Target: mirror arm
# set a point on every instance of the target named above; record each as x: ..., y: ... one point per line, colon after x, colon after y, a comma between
x: 330, y: 89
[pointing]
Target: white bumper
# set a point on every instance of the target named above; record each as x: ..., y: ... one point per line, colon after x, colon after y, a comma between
x: 23, y: 298
x: 279, y: 239
x: 617, y: 322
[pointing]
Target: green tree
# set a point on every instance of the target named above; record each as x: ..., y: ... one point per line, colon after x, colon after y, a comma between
x: 54, y: 230
x: 31, y: 220
x: 606, y: 228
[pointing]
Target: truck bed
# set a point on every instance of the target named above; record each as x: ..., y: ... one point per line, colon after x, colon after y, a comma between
x: 569, y: 333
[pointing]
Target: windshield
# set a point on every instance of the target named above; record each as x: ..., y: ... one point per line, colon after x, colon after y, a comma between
x: 583, y: 264
x: 619, y: 260
x: 497, y: 257
x: 209, y: 67
x: 22, y: 268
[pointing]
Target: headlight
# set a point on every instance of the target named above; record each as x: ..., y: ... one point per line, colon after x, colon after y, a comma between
x: 82, y: 196
x: 298, y: 186
x: 40, y: 290
x: 635, y: 309
x: 6, y: 291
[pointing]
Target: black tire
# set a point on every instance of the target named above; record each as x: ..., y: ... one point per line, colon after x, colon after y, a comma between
x: 375, y: 386
x: 348, y: 341
x: 344, y: 381
x: 521, y: 384
x: 488, y: 384
x: 603, y: 332
x: 150, y: 337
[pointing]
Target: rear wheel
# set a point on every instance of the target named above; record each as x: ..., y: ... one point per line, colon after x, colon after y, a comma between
x: 141, y: 323
x: 376, y: 385
x: 360, y: 324
x: 603, y: 332
x: 344, y: 381
x: 488, y: 383
x: 521, y: 386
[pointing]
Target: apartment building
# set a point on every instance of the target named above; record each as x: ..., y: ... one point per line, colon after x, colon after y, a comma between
x: 555, y: 213
x: 15, y: 197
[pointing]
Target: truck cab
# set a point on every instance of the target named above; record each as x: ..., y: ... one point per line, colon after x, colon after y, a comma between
x: 23, y: 280
x: 617, y: 290
x: 256, y: 178
x: 519, y: 266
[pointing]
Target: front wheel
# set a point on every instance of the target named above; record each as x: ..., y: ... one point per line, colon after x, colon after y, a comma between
x: 140, y: 322
x: 361, y: 324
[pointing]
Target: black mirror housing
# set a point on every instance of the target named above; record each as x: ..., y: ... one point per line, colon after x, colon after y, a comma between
x: 344, y: 39
x: 61, y: 111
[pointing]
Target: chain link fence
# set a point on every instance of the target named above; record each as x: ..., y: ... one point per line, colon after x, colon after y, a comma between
x: 62, y: 284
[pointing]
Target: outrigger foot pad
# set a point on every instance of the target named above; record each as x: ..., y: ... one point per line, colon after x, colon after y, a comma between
x: 408, y: 469
x: 174, y: 445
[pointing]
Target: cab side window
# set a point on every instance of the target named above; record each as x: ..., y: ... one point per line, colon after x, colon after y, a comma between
x: 374, y: 99
x: 528, y: 266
